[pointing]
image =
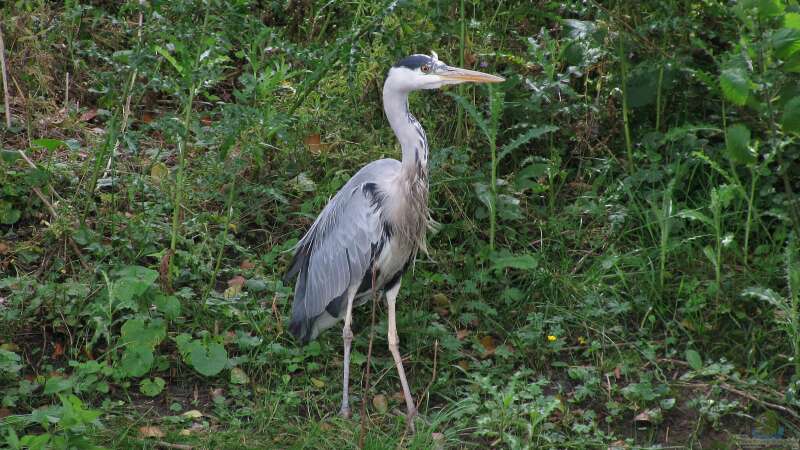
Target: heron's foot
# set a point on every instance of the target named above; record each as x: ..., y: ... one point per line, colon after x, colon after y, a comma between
x: 345, y: 412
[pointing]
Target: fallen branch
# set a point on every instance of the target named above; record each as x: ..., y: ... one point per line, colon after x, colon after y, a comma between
x: 764, y: 403
x: 733, y: 390
x: 170, y: 445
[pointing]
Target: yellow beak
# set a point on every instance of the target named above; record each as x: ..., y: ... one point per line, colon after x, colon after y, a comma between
x: 466, y: 75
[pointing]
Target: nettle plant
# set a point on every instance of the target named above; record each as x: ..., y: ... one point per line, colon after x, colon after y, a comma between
x: 65, y: 427
x: 759, y: 81
x: 760, y: 78
x: 759, y: 86
x: 132, y: 301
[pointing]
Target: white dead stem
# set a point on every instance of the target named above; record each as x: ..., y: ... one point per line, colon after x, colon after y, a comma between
x: 5, y: 77
x: 126, y: 111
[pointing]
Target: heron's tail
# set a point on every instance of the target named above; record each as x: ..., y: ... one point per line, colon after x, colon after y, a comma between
x: 300, y: 325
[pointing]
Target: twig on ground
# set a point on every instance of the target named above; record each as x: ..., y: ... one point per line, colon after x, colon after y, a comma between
x: 747, y: 395
x: 761, y: 402
x: 170, y: 445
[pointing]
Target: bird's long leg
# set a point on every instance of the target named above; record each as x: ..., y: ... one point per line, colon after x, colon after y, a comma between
x: 347, y: 337
x: 394, y: 347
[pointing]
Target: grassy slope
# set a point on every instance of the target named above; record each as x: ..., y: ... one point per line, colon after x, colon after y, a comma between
x: 579, y: 332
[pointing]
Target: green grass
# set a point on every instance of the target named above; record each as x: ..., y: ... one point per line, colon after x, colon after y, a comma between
x: 615, y: 262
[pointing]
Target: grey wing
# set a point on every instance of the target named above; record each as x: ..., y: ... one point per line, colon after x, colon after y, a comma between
x: 334, y: 255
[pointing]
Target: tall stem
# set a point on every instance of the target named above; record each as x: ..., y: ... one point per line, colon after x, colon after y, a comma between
x: 460, y: 117
x: 493, y: 186
x: 218, y: 263
x: 658, y: 97
x: 718, y: 247
x: 625, y: 120
x: 6, y: 99
x: 750, y: 206
x: 178, y: 200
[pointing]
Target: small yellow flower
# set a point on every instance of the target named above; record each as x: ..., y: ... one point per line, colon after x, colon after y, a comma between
x: 581, y: 340
x: 551, y: 338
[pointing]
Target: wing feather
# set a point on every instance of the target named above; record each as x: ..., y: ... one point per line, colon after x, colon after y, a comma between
x: 337, y: 250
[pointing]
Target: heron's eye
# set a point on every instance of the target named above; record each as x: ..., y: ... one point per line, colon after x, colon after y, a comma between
x: 426, y: 68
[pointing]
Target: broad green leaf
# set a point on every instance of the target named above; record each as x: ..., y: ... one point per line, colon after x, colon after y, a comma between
x: 184, y: 342
x: 132, y: 282
x: 735, y: 84
x: 8, y: 214
x: 738, y: 148
x: 55, y: 385
x: 165, y: 53
x: 136, y: 361
x: 36, y: 177
x: 792, y: 64
x: 524, y: 138
x: 770, y: 8
x: 143, y: 274
x: 36, y: 441
x: 255, y: 285
x: 9, y: 156
x: 9, y: 362
x: 12, y: 439
x: 209, y: 360
x: 528, y: 176
x: 694, y: 360
x: 792, y: 20
x: 710, y: 255
x: 522, y: 262
x: 49, y: 144
x: 313, y: 349
x: 766, y: 295
x: 152, y: 386
x: 122, y: 56
x: 786, y: 42
x: 136, y: 332
x: 790, y: 121
x: 169, y: 305
x: 696, y: 215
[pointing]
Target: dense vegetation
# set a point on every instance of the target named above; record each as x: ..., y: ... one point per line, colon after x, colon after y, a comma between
x: 616, y: 262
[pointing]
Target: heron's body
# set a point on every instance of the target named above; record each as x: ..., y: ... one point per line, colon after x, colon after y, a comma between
x: 373, y: 227
x: 379, y: 205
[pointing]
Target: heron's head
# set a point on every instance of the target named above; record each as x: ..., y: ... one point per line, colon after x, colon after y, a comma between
x: 418, y: 72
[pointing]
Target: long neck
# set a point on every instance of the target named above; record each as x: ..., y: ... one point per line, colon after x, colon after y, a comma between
x: 409, y: 132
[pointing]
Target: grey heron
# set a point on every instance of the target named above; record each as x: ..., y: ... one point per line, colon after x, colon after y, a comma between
x: 371, y: 230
